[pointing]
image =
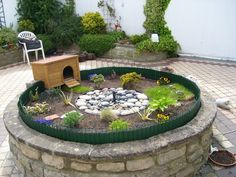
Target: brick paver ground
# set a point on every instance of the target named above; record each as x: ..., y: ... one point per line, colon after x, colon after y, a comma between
x: 217, y: 78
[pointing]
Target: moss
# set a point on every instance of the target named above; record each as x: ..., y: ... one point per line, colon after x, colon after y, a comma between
x: 77, y: 89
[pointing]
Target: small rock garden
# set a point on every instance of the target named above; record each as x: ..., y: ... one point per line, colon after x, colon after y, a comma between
x: 110, y: 103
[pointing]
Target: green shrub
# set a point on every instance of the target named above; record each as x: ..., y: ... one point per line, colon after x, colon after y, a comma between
x: 138, y: 38
x: 93, y: 23
x: 48, y: 43
x: 7, y: 36
x: 167, y: 44
x: 118, y: 125
x: 162, y: 103
x: 107, y: 115
x: 72, y: 118
x: 34, y: 96
x: 175, y: 91
x: 98, y: 80
x: 147, y: 46
x: 26, y: 25
x: 117, y: 35
x: 40, y: 12
x: 98, y: 44
x: 129, y: 80
x: 68, y: 31
x: 38, y: 108
x: 77, y: 89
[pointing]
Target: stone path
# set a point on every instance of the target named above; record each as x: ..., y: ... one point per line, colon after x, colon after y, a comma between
x: 217, y: 78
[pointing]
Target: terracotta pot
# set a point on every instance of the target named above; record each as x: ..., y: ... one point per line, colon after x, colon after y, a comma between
x: 221, y: 164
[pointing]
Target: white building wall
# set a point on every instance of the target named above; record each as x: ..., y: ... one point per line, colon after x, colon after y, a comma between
x: 10, y: 12
x: 202, y: 27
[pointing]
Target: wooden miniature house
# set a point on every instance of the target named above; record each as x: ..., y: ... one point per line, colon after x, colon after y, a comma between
x: 57, y: 71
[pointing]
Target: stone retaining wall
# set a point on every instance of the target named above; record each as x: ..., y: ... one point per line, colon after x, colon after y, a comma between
x: 129, y: 52
x: 10, y: 56
x: 178, y: 153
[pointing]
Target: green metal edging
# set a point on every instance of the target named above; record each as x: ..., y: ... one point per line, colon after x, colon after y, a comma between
x: 70, y: 134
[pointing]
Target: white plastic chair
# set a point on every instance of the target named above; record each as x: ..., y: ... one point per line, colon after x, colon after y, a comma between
x: 27, y: 35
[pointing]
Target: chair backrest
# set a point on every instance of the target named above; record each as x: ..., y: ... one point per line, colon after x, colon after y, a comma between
x: 26, y: 35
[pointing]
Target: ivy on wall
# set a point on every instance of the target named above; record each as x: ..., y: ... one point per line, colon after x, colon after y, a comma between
x: 154, y: 11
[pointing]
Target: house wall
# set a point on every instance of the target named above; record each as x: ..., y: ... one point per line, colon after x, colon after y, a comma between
x: 202, y: 27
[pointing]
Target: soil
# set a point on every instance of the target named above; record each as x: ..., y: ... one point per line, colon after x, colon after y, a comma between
x: 223, y: 157
x: 93, y: 122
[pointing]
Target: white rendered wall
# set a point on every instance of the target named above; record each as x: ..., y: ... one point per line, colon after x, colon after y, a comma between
x: 10, y: 12
x: 204, y: 27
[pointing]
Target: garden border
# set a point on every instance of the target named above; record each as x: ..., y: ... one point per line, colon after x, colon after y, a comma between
x: 69, y: 134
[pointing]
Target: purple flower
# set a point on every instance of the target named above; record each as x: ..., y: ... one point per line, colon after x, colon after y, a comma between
x: 90, y: 76
x: 43, y: 121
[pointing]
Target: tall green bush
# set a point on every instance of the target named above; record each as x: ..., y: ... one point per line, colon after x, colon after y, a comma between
x: 68, y: 31
x: 48, y: 43
x: 154, y: 11
x: 7, y: 36
x: 98, y: 44
x: 40, y: 12
x: 93, y: 23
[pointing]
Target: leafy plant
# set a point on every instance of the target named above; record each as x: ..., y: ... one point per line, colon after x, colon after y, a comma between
x: 167, y: 44
x: 68, y: 31
x: 38, y: 108
x: 118, y: 125
x: 145, y: 115
x: 48, y: 43
x: 93, y: 23
x: 147, y: 46
x: 72, y: 118
x: 7, y: 36
x: 98, y: 80
x: 67, y: 99
x: 175, y: 91
x: 117, y: 35
x: 35, y: 96
x: 163, y: 81
x: 98, y: 44
x: 77, y: 89
x: 138, y: 38
x: 129, y: 80
x: 161, y: 118
x: 107, y: 115
x: 26, y: 25
x: 155, y: 23
x: 162, y: 104
x: 40, y: 12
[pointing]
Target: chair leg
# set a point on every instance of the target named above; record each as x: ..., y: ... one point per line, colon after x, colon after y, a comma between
x: 43, y: 53
x: 24, y: 55
x: 36, y: 55
x: 27, y: 56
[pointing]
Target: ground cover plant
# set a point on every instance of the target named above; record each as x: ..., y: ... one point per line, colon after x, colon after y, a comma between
x: 166, y: 101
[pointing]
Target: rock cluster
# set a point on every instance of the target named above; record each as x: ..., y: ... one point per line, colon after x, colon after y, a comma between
x: 122, y: 102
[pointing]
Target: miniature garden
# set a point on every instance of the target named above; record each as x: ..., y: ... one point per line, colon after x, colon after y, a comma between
x: 115, y: 101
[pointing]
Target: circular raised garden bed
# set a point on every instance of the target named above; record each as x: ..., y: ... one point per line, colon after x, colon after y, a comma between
x: 175, y: 148
x: 84, y: 136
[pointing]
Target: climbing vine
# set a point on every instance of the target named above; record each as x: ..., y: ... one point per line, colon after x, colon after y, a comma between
x: 154, y: 11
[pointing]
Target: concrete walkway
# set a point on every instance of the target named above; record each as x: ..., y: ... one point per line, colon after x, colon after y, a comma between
x: 216, y: 78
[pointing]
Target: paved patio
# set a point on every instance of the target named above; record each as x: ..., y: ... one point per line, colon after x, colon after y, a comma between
x: 216, y: 78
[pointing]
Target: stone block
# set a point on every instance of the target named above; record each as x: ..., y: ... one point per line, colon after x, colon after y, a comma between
x: 37, y: 168
x: 187, y: 172
x: 24, y: 161
x: 168, y: 156
x: 48, y: 172
x: 81, y: 166
x: 53, y: 160
x: 30, y: 152
x: 193, y: 147
x: 206, y: 138
x: 194, y: 156
x: 111, y: 167
x: 140, y: 164
x: 177, y: 165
